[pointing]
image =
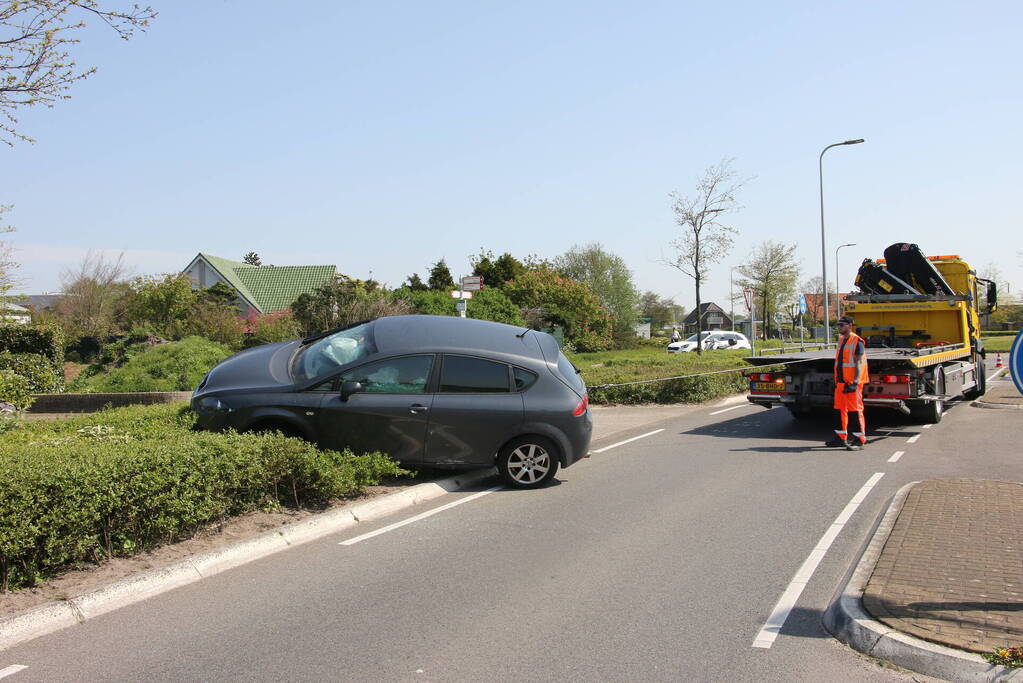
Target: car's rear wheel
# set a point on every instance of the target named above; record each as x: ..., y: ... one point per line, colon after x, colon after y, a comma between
x: 528, y: 462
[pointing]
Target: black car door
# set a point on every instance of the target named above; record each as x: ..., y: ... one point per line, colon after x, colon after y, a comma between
x: 390, y: 414
x: 474, y: 411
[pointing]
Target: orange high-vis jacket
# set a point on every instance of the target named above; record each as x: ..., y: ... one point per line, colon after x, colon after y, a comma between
x: 851, y: 361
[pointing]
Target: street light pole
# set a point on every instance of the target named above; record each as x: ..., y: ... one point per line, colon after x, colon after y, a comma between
x: 824, y: 258
x: 837, y: 280
x: 731, y: 294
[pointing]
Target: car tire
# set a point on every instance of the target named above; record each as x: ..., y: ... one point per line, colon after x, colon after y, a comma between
x: 528, y: 462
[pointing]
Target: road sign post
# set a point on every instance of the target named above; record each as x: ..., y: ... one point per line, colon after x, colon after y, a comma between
x: 469, y: 284
x: 748, y: 296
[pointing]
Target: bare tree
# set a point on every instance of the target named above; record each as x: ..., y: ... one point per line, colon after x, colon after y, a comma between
x: 772, y: 270
x: 7, y: 263
x: 91, y: 295
x: 706, y: 238
x: 36, y: 66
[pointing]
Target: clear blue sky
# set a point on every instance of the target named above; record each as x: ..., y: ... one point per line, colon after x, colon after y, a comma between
x: 383, y: 136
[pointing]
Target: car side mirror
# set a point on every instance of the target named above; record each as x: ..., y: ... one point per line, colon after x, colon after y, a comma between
x: 349, y: 387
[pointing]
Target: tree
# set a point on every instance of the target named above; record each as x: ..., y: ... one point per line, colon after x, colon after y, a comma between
x: 706, y: 238
x: 415, y: 283
x: 772, y: 271
x: 252, y: 258
x: 93, y: 297
x: 36, y: 66
x: 486, y: 304
x: 549, y: 299
x: 7, y: 262
x: 440, y: 277
x: 609, y: 278
x: 344, y: 301
x: 496, y: 271
x: 662, y: 312
x: 163, y: 304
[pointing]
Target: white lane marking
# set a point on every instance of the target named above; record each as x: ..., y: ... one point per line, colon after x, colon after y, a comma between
x: 927, y: 426
x: 771, y: 629
x: 423, y: 515
x: 725, y: 410
x: 12, y: 669
x: 895, y: 458
x: 913, y: 438
x: 622, y: 443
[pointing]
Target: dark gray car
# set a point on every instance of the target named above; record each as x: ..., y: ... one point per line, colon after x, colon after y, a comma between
x: 431, y: 391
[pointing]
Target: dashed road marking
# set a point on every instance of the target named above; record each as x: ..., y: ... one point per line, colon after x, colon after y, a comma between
x: 895, y: 458
x: 765, y: 638
x: 913, y: 438
x: 622, y: 443
x: 725, y: 410
x: 12, y: 669
x: 424, y: 515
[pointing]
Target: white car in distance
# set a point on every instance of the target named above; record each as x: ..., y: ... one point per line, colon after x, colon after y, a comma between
x: 711, y: 340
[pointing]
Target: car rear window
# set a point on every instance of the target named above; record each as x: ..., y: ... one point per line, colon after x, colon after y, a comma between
x: 571, y: 374
x: 523, y: 378
x: 462, y: 374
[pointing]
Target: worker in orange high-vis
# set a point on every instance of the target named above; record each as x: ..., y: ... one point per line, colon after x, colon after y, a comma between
x: 850, y: 376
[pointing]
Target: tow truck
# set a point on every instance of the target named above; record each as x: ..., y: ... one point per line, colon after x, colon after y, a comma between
x: 920, y: 318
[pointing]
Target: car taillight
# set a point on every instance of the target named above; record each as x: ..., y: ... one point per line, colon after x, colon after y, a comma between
x: 767, y: 377
x: 584, y: 403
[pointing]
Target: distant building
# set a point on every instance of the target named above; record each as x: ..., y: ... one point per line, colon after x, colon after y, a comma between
x: 260, y: 289
x: 13, y: 313
x: 713, y: 318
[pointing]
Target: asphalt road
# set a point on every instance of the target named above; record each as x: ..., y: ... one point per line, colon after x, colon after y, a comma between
x: 659, y: 559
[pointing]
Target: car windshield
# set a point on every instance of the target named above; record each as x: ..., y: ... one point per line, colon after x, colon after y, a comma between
x: 704, y: 334
x: 333, y: 351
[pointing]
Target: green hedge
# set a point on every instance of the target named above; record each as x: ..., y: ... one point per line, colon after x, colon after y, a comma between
x: 14, y: 389
x: 37, y: 370
x: 45, y: 340
x: 617, y: 367
x: 126, y: 480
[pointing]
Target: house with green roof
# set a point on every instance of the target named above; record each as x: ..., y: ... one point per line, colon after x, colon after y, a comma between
x: 260, y: 289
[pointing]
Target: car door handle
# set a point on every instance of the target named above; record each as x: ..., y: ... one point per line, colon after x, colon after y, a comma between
x: 417, y: 408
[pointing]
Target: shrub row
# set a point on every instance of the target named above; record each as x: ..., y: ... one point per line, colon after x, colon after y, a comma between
x: 45, y: 340
x: 38, y: 371
x: 622, y: 367
x: 126, y: 480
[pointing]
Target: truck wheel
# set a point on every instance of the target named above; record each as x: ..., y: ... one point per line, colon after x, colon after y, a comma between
x: 978, y: 391
x: 931, y: 412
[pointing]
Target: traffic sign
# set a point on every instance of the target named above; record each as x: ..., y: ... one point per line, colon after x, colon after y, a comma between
x: 459, y: 294
x: 747, y: 295
x: 1016, y: 362
x: 472, y: 282
x: 802, y: 304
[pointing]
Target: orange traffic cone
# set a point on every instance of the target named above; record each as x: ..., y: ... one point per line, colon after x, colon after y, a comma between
x: 998, y: 362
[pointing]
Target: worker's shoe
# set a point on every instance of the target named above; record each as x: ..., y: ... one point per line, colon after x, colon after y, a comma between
x: 854, y: 446
x: 837, y: 442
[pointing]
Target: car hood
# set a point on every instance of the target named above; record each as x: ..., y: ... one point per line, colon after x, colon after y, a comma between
x: 261, y: 367
x: 682, y: 345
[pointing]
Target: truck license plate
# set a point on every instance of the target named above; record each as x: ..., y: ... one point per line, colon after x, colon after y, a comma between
x: 768, y: 386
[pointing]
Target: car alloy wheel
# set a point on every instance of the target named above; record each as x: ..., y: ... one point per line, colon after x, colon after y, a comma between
x: 528, y: 462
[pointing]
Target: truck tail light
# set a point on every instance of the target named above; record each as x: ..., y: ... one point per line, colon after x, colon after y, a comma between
x: 584, y: 403
x: 895, y: 379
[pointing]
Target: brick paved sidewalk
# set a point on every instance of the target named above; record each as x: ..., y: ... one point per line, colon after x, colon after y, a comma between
x: 951, y: 571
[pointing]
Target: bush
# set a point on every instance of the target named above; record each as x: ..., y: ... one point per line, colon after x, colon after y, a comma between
x: 14, y: 389
x: 37, y: 370
x: 44, y: 340
x: 175, y: 366
x: 272, y: 327
x: 123, y: 481
x: 621, y: 367
x: 218, y: 323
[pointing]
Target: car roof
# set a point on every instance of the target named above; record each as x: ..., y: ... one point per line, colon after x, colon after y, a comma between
x: 400, y: 333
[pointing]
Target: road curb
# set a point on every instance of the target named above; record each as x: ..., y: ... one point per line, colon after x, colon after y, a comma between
x: 849, y: 622
x: 981, y: 403
x: 54, y: 616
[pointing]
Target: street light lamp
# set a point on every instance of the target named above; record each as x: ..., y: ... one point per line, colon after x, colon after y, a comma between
x: 824, y: 259
x: 838, y: 279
